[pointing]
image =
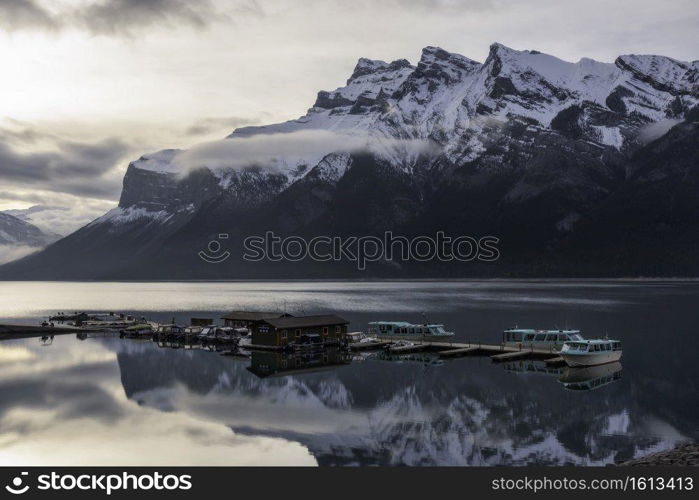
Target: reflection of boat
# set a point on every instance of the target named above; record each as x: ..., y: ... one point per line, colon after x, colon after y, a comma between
x: 401, y: 330
x: 532, y: 366
x: 539, y: 339
x: 591, y: 352
x: 590, y: 377
x: 421, y: 358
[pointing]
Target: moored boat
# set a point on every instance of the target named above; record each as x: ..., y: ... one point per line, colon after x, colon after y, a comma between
x: 401, y: 330
x: 591, y: 352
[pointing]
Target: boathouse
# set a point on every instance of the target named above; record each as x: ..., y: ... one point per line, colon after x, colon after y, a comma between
x: 282, y: 331
x: 245, y: 319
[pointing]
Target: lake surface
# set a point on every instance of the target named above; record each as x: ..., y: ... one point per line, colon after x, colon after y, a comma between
x: 106, y: 400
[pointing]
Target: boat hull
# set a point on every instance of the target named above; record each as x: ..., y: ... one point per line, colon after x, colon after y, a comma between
x: 591, y: 359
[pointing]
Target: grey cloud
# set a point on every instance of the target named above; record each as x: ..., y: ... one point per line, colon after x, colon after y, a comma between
x: 115, y: 17
x: 209, y: 125
x: 112, y: 17
x: 26, y: 14
x: 70, y: 167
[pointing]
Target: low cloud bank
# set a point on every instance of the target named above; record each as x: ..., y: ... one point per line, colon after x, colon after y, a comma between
x: 653, y: 131
x: 277, y: 150
x: 8, y: 253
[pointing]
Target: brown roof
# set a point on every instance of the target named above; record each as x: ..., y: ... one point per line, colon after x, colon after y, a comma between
x: 306, y: 321
x: 252, y: 315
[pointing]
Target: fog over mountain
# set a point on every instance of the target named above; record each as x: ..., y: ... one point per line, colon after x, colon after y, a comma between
x: 580, y: 169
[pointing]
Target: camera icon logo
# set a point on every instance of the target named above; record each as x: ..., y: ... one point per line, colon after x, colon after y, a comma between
x: 214, y: 253
x: 16, y: 487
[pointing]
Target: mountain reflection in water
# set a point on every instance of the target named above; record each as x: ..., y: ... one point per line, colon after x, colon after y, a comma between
x: 106, y: 400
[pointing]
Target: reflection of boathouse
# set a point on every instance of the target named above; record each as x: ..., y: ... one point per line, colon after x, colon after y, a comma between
x: 279, y: 364
x: 245, y: 319
x: 280, y: 332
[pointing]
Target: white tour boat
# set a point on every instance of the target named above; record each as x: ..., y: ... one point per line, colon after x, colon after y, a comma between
x: 591, y: 352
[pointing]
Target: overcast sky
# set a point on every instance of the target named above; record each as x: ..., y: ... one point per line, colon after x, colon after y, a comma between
x: 90, y: 84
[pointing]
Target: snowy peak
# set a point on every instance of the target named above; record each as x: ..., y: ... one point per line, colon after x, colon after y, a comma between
x: 369, y: 66
x: 447, y: 66
x: 662, y: 73
x: 371, y: 82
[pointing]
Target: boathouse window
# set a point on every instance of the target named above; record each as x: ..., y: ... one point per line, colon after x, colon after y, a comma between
x: 325, y: 330
x: 338, y: 329
x: 297, y: 333
x: 283, y: 334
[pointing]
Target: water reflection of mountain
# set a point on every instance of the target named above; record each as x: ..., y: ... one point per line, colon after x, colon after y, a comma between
x: 463, y: 412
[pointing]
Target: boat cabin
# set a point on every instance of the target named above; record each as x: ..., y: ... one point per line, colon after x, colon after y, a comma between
x: 592, y: 346
x: 539, y: 339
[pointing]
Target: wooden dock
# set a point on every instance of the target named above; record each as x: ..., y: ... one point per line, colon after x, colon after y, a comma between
x: 498, y: 353
x: 461, y: 351
x: 510, y: 356
x: 404, y: 349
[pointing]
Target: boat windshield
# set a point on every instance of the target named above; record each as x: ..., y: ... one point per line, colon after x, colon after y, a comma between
x: 576, y: 336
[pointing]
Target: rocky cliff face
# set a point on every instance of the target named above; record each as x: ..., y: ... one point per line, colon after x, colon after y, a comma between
x: 524, y: 146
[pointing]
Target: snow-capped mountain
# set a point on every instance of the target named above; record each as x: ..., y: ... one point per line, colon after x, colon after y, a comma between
x: 537, y: 151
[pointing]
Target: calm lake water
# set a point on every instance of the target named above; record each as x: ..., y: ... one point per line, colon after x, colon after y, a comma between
x: 105, y: 400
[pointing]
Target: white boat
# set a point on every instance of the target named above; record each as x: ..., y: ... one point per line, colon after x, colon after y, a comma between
x: 400, y: 330
x: 591, y: 352
x: 529, y: 338
x: 359, y: 338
